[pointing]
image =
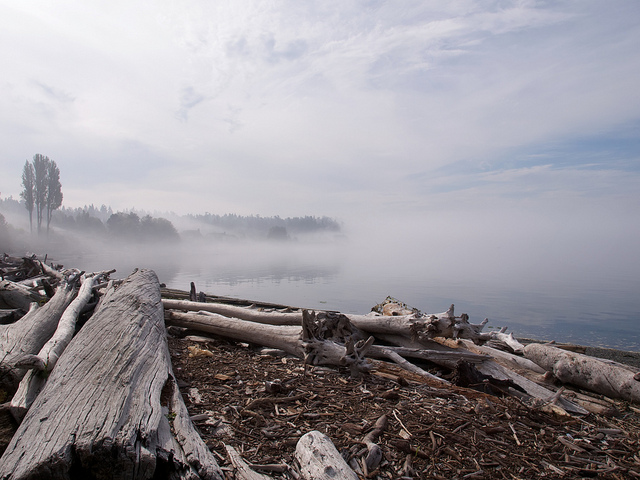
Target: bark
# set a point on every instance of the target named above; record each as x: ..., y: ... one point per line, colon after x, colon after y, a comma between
x: 604, y: 377
x: 111, y: 408
x: 29, y: 334
x: 319, y: 459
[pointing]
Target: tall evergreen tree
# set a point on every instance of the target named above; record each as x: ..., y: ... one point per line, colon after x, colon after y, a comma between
x: 28, y: 194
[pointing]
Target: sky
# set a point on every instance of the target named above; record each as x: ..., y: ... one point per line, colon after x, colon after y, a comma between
x: 464, y: 116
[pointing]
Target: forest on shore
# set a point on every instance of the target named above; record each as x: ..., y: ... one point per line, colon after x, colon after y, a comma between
x: 139, y: 226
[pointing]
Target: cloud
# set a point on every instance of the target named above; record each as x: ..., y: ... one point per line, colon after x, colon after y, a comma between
x: 339, y: 108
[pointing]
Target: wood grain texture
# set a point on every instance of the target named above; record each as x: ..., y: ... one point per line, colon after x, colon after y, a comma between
x: 29, y: 334
x: 111, y: 407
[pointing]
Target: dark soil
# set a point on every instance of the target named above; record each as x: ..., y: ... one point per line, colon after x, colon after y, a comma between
x: 261, y: 404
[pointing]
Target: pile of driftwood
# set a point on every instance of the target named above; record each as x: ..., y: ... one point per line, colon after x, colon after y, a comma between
x: 111, y: 407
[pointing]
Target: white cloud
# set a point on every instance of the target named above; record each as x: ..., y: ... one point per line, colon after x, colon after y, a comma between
x: 292, y: 108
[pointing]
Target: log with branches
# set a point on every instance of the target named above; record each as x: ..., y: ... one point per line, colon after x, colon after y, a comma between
x: 123, y: 413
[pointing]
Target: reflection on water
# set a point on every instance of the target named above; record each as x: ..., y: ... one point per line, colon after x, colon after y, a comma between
x: 572, y: 306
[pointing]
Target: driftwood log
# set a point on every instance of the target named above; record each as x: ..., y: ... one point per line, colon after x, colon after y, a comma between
x: 408, y: 324
x: 41, y: 365
x: 319, y: 459
x: 604, y: 377
x: 16, y: 295
x: 111, y: 408
x: 320, y: 340
x: 29, y: 334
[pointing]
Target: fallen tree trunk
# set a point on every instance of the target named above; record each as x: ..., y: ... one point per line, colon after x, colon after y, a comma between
x: 40, y: 365
x: 320, y: 460
x: 532, y: 389
x: 29, y: 334
x: 414, y: 325
x: 314, y: 340
x: 604, y: 377
x: 251, y: 314
x: 111, y: 408
x: 286, y: 338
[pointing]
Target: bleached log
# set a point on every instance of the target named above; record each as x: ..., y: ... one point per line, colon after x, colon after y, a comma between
x: 15, y: 295
x: 29, y: 334
x: 40, y: 365
x: 506, y: 359
x: 424, y: 326
x: 312, y: 342
x: 286, y: 338
x: 532, y: 389
x: 233, y: 311
x: 319, y: 459
x: 586, y: 372
x: 112, y: 408
x: 243, y: 470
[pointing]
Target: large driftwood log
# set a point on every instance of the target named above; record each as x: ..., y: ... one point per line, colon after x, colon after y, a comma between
x: 111, y: 408
x: 286, y: 338
x: 532, y: 389
x: 604, y: 377
x: 315, y: 340
x: 412, y: 325
x: 273, y: 317
x: 29, y: 334
x: 40, y: 365
x: 319, y: 459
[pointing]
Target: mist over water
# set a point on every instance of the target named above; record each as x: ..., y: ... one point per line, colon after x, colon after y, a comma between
x: 579, y: 291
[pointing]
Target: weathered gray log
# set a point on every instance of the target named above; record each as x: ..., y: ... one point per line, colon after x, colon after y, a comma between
x: 532, y: 389
x: 311, y: 341
x: 446, y: 359
x: 251, y: 314
x: 29, y: 334
x: 111, y: 408
x: 392, y: 355
x: 286, y: 338
x: 414, y: 325
x: 506, y: 359
x: 587, y: 372
x: 40, y: 365
x: 320, y: 460
x: 15, y: 295
x: 243, y: 470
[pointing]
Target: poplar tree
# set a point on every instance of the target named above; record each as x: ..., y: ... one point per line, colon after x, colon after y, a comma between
x: 28, y: 194
x: 42, y: 189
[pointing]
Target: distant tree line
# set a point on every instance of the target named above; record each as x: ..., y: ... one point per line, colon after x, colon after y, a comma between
x: 41, y: 189
x: 257, y: 223
x: 120, y: 225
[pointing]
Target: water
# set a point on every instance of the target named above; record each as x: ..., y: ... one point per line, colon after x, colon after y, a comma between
x: 535, y: 299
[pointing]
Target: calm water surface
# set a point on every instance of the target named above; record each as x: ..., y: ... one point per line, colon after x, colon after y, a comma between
x: 546, y: 300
